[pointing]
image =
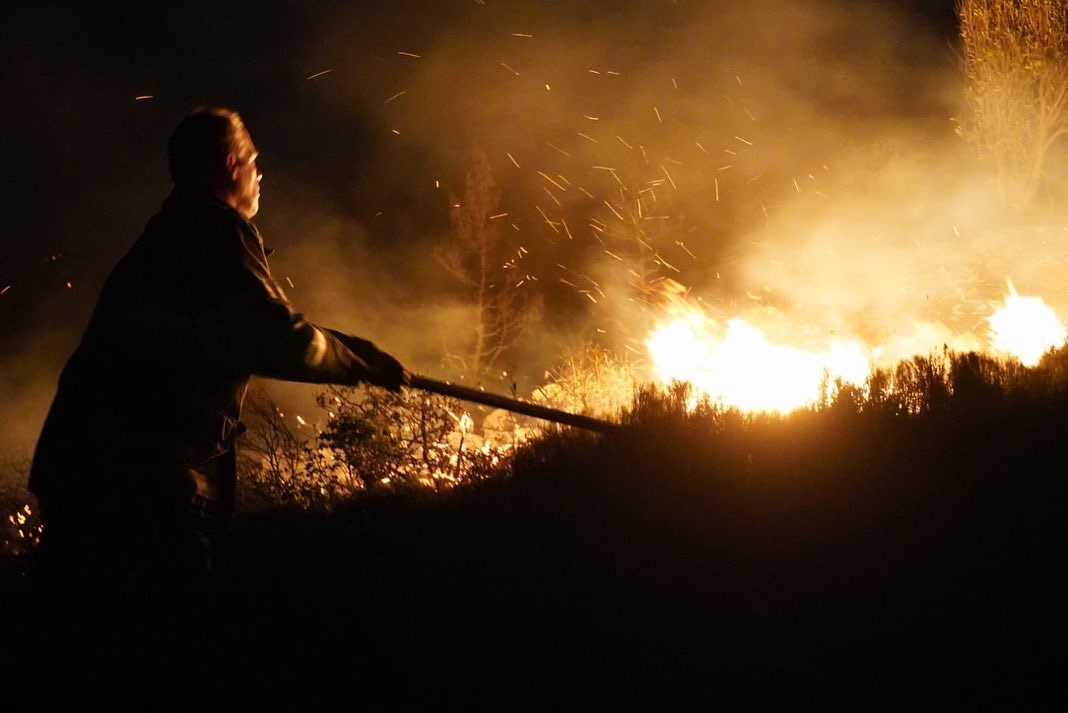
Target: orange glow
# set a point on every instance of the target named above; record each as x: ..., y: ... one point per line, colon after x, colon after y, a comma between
x: 733, y: 364
x: 739, y: 367
x: 1025, y: 328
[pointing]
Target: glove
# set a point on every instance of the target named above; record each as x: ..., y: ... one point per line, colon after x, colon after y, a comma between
x: 387, y: 372
x: 382, y: 369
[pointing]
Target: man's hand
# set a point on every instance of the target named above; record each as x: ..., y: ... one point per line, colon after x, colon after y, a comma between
x: 382, y: 369
x: 387, y: 372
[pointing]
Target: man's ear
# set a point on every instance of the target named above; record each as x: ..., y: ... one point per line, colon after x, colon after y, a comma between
x: 231, y: 166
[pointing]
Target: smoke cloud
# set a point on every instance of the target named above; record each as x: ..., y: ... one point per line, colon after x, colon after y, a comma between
x: 792, y: 162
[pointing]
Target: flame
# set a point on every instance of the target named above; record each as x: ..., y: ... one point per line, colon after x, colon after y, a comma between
x: 737, y: 366
x: 466, y: 423
x: 1025, y: 328
x: 741, y: 368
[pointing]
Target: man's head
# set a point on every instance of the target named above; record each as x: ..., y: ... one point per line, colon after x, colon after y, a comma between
x: 211, y: 150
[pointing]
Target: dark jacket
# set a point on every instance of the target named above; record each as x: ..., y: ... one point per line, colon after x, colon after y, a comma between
x: 150, y: 401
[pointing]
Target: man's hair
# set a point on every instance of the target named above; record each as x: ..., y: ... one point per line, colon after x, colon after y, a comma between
x: 201, y: 142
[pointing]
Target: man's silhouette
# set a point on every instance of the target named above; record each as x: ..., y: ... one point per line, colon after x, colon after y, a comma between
x: 134, y: 470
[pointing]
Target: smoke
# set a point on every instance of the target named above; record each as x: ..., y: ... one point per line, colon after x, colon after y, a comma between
x: 795, y: 161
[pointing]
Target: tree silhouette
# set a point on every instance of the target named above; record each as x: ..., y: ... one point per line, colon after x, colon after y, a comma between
x: 479, y: 258
x: 1015, y: 60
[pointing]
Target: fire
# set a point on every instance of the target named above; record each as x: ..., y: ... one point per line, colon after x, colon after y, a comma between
x: 735, y: 365
x: 739, y: 367
x: 1026, y: 328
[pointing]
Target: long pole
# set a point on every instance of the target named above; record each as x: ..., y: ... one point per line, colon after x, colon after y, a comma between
x: 515, y: 405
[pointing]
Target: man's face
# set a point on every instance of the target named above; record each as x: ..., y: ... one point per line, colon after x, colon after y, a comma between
x: 245, y: 177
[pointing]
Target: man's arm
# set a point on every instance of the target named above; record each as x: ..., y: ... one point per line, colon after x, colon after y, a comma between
x: 272, y: 339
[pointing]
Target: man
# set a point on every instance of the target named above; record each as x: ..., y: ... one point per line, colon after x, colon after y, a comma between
x: 134, y: 470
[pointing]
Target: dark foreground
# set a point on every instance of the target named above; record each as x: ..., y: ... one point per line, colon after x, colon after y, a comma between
x: 857, y: 559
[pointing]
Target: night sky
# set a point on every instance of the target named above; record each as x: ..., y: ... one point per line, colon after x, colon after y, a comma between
x: 365, y: 115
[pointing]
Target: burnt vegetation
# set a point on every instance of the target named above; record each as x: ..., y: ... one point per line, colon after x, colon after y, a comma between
x: 897, y: 543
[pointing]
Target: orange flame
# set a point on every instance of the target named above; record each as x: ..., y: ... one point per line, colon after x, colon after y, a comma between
x: 739, y: 367
x: 736, y: 366
x: 1025, y: 328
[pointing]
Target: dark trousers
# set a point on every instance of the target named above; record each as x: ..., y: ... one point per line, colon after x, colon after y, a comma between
x: 123, y: 597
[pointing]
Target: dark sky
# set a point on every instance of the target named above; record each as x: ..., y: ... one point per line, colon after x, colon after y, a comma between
x: 365, y: 115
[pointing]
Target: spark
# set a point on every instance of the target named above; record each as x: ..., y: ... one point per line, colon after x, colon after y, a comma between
x: 612, y: 254
x: 398, y: 94
x: 683, y: 246
x: 592, y: 118
x: 613, y: 209
x: 410, y: 54
x: 557, y: 148
x: 566, y: 230
x: 143, y: 97
x: 715, y: 181
x: 624, y: 142
x: 588, y: 138
x: 395, y: 131
x: 747, y: 143
x: 6, y: 288
x: 670, y: 179
x: 660, y: 259
x: 550, y: 223
x: 512, y: 159
x: 510, y: 69
x: 301, y: 421
x: 319, y: 74
x: 290, y: 282
x: 698, y: 144
x: 657, y: 112
x: 69, y: 286
x: 550, y: 180
x: 521, y: 34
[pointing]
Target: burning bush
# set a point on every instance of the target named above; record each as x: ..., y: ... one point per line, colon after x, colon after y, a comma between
x: 591, y: 380
x: 372, y: 439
